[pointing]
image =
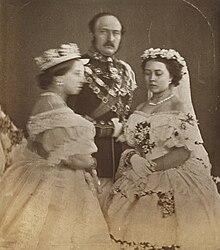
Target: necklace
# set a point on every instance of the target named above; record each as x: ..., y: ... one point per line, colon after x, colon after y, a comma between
x: 162, y: 101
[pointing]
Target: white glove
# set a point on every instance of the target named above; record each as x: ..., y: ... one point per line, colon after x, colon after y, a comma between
x: 117, y: 127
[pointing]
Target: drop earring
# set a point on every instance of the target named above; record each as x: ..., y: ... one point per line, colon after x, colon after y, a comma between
x: 59, y: 83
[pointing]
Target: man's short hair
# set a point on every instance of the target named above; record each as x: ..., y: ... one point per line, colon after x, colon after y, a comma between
x: 99, y: 15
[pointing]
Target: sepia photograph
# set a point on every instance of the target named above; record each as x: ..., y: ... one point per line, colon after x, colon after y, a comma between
x: 109, y: 124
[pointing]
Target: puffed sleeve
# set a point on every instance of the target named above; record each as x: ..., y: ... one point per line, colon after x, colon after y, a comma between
x: 60, y: 143
x: 182, y: 131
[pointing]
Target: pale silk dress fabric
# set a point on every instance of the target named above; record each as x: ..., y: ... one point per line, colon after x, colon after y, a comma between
x: 195, y: 224
x: 44, y: 205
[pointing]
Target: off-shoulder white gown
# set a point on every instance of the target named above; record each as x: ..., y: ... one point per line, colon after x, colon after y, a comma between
x: 178, y: 207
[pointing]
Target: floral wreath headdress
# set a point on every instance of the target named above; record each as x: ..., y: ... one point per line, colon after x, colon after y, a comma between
x: 169, y: 54
x: 53, y: 57
x: 183, y: 90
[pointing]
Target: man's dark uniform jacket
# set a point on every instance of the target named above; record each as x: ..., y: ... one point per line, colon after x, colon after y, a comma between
x: 107, y: 94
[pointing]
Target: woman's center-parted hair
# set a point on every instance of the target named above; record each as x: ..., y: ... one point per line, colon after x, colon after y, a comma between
x: 45, y: 78
x: 174, y: 68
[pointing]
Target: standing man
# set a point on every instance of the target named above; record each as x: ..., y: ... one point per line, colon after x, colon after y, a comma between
x: 106, y: 99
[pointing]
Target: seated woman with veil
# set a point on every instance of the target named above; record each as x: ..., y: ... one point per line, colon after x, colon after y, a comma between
x: 164, y: 196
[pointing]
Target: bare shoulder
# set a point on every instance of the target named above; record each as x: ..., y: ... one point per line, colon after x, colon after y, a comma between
x: 177, y: 104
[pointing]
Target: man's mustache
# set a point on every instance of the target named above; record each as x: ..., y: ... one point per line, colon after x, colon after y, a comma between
x: 109, y: 44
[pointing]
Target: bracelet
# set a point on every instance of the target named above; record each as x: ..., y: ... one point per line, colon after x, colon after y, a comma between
x: 129, y: 155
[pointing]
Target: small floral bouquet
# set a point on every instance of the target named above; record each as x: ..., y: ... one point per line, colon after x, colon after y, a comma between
x: 142, y: 138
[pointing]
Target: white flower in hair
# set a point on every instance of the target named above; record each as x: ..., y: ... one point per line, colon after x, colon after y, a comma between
x: 167, y: 54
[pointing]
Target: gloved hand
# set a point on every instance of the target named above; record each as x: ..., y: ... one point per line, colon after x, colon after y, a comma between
x: 117, y: 127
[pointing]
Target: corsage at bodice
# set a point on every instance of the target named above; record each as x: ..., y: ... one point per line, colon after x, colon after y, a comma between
x: 157, y: 133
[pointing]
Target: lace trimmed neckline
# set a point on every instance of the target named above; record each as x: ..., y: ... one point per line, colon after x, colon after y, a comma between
x: 53, y: 111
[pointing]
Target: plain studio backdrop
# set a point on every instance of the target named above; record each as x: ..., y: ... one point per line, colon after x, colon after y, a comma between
x: 28, y: 27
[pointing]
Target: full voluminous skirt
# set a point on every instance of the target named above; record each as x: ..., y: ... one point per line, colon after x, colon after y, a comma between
x: 45, y: 208
x: 169, y: 209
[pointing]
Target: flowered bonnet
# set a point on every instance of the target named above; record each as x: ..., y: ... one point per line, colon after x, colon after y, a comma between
x: 53, y: 57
